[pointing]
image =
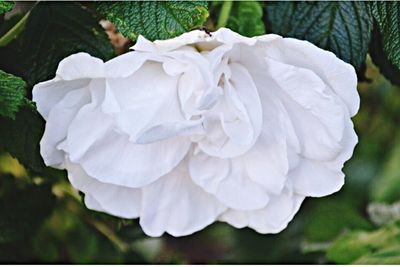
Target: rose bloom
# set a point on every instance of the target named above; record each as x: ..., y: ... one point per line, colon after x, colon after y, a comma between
x: 184, y: 132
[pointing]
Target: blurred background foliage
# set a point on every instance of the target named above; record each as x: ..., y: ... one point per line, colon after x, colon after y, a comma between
x: 43, y: 219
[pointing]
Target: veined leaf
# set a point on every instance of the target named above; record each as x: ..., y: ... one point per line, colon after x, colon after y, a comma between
x: 155, y: 20
x: 52, y: 34
x: 343, y: 27
x: 387, y: 16
x: 12, y: 91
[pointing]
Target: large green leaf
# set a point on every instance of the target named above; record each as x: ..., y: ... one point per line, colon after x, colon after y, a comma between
x: 55, y: 31
x: 153, y: 19
x: 6, y: 6
x: 378, y: 56
x: 343, y: 27
x: 246, y: 18
x: 20, y: 137
x: 387, y: 16
x: 12, y: 91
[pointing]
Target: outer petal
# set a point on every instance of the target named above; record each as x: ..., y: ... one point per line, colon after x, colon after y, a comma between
x: 48, y: 94
x: 271, y: 219
x: 200, y: 39
x: 340, y: 76
x: 174, y: 204
x: 57, y: 125
x: 116, y: 200
x: 317, y: 117
x: 73, y: 72
x: 79, y: 66
x: 116, y: 160
x: 315, y: 179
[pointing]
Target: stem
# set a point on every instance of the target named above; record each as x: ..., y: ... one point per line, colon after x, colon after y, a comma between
x: 224, y: 14
x: 14, y: 31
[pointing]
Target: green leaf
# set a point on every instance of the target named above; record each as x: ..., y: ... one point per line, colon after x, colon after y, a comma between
x: 12, y: 91
x: 363, y: 246
x: 388, y: 255
x: 155, y: 20
x: 343, y: 27
x: 6, y: 6
x: 55, y: 31
x: 23, y: 210
x: 246, y: 18
x: 386, y: 68
x: 387, y: 16
x: 21, y: 137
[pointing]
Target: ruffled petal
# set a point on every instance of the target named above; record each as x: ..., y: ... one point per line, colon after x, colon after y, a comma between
x: 315, y: 179
x: 317, y: 117
x: 240, y: 115
x: 269, y: 220
x: 116, y: 200
x: 114, y: 159
x: 338, y: 75
x: 174, y: 204
x: 57, y: 125
x: 228, y: 181
x: 80, y: 66
x: 48, y: 94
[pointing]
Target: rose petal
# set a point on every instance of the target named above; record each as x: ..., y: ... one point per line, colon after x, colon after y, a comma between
x: 57, y: 125
x: 116, y: 200
x: 271, y: 219
x: 174, y: 204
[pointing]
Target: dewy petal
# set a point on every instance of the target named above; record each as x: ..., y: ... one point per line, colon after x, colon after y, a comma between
x: 174, y: 204
x: 271, y: 219
x: 337, y: 74
x: 116, y: 200
x: 228, y: 181
x: 57, y: 125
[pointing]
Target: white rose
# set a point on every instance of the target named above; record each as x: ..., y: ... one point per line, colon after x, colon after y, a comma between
x: 199, y: 128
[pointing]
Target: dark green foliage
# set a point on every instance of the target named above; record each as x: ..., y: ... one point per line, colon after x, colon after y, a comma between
x: 387, y: 16
x: 23, y: 210
x: 21, y: 137
x: 378, y: 56
x: 246, y: 18
x: 6, y: 6
x: 155, y: 20
x: 12, y: 91
x: 386, y: 186
x: 55, y: 31
x: 343, y: 27
x: 332, y: 216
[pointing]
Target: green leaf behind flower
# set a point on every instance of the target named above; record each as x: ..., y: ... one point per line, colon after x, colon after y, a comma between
x: 12, y: 91
x: 247, y: 18
x: 387, y: 16
x: 155, y: 20
x: 343, y: 27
